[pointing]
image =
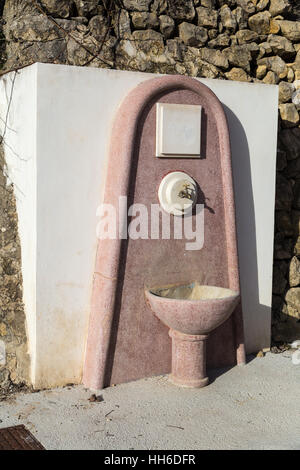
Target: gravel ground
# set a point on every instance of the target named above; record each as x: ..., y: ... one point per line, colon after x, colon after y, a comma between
x: 256, y: 406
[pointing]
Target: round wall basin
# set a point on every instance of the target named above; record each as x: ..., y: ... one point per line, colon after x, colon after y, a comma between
x: 191, y: 311
x: 192, y: 308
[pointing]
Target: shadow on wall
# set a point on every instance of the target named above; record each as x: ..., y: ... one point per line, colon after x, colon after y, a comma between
x: 254, y: 315
x: 286, y: 328
x: 295, y: 12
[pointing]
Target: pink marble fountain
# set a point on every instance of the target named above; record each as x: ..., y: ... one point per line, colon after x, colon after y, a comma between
x: 157, y: 307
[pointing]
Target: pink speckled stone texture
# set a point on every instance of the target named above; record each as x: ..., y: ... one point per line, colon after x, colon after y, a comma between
x: 188, y: 360
x: 192, y: 317
x: 126, y: 341
x: 190, y: 322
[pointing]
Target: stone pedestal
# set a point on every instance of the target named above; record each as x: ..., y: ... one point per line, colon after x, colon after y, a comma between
x: 188, y: 359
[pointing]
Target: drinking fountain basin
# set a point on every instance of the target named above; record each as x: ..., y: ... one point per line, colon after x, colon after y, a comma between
x: 191, y: 311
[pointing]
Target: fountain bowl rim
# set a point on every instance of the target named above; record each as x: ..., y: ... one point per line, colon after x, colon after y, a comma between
x: 149, y: 291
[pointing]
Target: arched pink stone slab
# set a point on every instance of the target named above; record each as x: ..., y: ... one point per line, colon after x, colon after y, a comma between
x: 126, y: 341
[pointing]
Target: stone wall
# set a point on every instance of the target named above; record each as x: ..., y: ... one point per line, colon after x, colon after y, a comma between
x: 246, y: 40
x: 14, y: 373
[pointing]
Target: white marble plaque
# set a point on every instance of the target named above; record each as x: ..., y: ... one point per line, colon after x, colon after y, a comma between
x: 178, y: 130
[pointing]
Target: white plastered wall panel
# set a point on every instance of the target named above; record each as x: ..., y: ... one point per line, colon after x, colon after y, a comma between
x: 63, y: 117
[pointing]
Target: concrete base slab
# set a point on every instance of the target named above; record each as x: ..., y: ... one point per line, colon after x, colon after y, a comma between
x: 255, y: 406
